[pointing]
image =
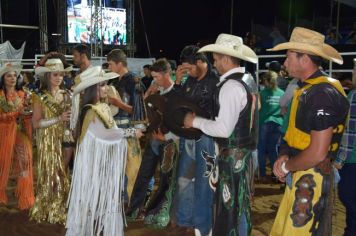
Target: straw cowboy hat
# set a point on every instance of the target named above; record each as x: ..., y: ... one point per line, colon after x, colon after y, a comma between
x: 91, y: 76
x: 309, y: 42
x: 52, y: 65
x: 8, y: 67
x: 231, y: 45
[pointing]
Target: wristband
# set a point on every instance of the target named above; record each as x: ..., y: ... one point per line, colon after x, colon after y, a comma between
x: 45, y: 123
x: 284, y: 169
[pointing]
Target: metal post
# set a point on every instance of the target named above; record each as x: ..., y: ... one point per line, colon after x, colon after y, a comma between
x: 96, y: 27
x: 130, y: 28
x: 42, y: 5
x: 1, y: 32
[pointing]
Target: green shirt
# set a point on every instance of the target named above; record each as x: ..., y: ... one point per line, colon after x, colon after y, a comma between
x: 270, y: 109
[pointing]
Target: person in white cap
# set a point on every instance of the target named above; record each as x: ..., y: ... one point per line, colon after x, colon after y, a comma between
x: 234, y: 128
x: 50, y: 114
x: 15, y: 138
x: 95, y: 201
x: 316, y: 122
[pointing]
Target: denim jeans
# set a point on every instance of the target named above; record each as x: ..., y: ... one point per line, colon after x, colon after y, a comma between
x: 269, y: 135
x: 194, y: 197
x: 347, y: 194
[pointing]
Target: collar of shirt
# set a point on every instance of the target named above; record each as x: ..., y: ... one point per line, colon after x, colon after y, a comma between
x: 163, y: 91
x: 230, y: 72
x: 316, y: 74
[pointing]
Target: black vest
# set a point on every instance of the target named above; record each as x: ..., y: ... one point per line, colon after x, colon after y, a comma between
x: 245, y: 131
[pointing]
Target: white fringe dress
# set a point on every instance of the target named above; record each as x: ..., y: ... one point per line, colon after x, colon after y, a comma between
x: 95, y: 206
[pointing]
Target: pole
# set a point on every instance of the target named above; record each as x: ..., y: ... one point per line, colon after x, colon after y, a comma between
x: 144, y: 29
x: 1, y: 32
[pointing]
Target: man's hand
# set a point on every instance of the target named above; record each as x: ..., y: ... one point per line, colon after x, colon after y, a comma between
x: 188, y: 120
x: 181, y: 71
x: 277, y: 167
x: 158, y: 135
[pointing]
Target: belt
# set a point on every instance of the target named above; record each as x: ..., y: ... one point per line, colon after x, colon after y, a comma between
x: 122, y: 122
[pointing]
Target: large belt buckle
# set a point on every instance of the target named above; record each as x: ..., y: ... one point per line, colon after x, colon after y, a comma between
x: 122, y: 122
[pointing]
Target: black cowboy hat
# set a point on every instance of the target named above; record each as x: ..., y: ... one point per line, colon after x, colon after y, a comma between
x: 173, y: 117
x: 155, y: 105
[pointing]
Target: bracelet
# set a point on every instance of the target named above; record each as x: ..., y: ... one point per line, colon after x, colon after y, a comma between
x: 45, y: 123
x: 284, y: 169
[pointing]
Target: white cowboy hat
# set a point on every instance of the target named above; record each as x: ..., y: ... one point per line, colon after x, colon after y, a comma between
x: 310, y: 42
x: 52, y: 65
x: 91, y: 76
x: 231, y: 45
x: 8, y: 67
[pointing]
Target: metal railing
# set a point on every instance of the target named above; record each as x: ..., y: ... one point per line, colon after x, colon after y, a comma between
x: 329, y: 70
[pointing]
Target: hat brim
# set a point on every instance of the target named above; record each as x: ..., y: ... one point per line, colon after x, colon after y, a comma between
x: 40, y: 71
x: 173, y: 117
x: 154, y: 106
x: 326, y: 51
x: 93, y: 80
x: 245, y: 53
x: 16, y: 68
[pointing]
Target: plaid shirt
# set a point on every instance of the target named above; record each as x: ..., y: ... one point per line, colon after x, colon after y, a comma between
x: 348, y: 141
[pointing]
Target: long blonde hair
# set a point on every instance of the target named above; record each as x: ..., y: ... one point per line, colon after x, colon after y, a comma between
x: 270, y: 79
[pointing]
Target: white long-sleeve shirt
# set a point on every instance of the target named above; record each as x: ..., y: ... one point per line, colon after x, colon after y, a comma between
x: 232, y: 99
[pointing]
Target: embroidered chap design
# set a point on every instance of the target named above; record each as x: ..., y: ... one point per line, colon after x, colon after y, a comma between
x: 302, y: 206
x: 210, y: 163
x: 168, y: 150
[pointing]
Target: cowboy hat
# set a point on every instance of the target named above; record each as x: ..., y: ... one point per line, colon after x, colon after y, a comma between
x: 309, y: 42
x: 231, y: 45
x: 155, y: 105
x: 8, y: 67
x: 173, y: 117
x: 52, y: 65
x: 91, y: 76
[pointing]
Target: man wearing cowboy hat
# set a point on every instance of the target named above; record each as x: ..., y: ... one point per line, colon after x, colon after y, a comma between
x: 316, y: 123
x: 234, y: 129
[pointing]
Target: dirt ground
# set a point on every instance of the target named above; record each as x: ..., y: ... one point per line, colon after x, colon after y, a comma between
x: 16, y: 223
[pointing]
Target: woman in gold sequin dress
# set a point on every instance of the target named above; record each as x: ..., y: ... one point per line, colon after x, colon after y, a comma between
x: 50, y: 115
x: 15, y: 139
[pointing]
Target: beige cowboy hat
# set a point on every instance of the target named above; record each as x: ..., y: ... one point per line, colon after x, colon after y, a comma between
x: 231, y: 45
x: 52, y: 65
x: 91, y: 76
x: 8, y: 67
x: 309, y: 42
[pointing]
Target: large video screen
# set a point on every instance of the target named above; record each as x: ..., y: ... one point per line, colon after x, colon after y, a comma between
x: 113, y: 22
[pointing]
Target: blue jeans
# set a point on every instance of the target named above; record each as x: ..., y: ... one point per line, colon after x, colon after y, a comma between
x: 194, y: 195
x: 347, y: 194
x: 269, y: 135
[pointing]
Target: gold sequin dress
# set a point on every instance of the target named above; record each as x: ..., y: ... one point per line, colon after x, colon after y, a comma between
x: 52, y: 179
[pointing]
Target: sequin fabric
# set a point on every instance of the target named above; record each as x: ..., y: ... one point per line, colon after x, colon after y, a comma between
x: 52, y: 180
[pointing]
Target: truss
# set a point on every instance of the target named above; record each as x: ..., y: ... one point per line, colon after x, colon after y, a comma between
x: 42, y: 5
